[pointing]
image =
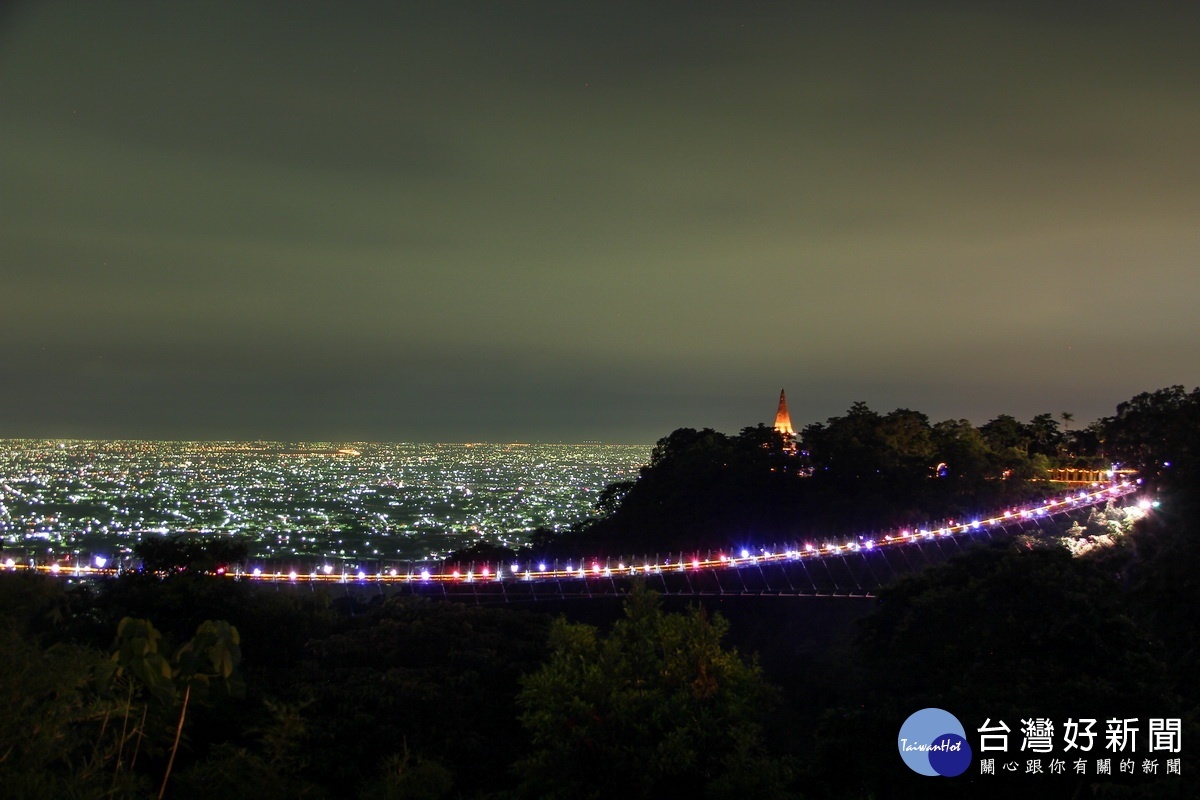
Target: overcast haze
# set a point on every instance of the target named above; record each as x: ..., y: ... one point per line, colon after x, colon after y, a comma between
x: 589, y: 220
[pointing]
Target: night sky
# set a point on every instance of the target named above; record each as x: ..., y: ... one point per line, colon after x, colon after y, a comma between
x: 574, y: 220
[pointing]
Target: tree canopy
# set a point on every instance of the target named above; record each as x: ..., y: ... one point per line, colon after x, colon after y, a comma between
x: 655, y: 708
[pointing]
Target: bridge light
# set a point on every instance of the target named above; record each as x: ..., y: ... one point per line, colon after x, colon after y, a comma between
x: 257, y: 572
x: 424, y: 574
x: 745, y: 553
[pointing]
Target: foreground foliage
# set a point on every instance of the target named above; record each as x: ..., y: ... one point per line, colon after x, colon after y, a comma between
x: 655, y: 708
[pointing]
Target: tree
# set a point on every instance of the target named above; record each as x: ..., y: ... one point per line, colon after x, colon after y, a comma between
x: 1001, y: 632
x: 656, y: 708
x: 173, y: 554
x: 210, y: 657
x: 1045, y: 437
x: 1157, y: 433
x: 48, y: 730
x: 436, y: 681
x: 962, y: 449
x: 140, y: 670
x: 1006, y: 432
x: 702, y: 489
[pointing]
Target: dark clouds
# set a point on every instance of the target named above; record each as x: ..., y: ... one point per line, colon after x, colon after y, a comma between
x: 547, y: 220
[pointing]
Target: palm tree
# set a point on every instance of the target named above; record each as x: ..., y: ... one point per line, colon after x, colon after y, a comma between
x: 1067, y: 442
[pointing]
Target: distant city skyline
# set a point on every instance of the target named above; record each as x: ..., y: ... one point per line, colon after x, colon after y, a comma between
x: 397, y: 222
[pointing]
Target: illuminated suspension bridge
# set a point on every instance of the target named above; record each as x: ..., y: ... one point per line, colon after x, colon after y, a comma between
x: 853, y: 567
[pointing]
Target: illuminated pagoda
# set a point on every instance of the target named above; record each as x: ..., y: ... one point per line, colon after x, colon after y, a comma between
x: 783, y: 423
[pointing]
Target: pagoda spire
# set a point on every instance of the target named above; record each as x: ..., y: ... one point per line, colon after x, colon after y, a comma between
x: 783, y: 421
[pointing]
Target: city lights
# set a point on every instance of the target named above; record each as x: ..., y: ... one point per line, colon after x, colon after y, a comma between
x: 311, y: 501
